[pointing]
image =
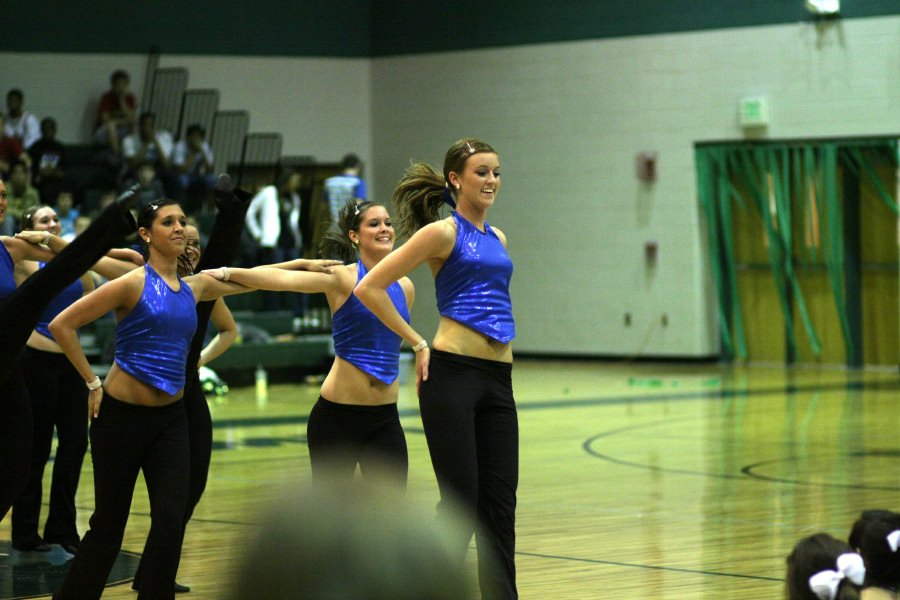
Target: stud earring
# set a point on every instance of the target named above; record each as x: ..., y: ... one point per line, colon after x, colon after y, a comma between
x: 457, y: 186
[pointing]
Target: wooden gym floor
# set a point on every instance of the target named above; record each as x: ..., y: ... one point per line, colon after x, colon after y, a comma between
x: 636, y: 480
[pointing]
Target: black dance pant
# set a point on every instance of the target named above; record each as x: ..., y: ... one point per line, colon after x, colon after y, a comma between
x: 125, y: 439
x: 18, y: 316
x: 58, y: 399
x: 221, y: 249
x: 341, y: 436
x: 469, y: 415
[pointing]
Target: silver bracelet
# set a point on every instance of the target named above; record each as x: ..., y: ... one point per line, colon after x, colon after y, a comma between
x: 94, y: 383
x: 46, y: 238
x: 226, y: 273
x: 420, y: 346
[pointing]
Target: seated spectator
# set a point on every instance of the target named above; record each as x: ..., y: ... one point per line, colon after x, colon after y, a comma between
x: 821, y: 567
x: 107, y: 197
x: 20, y: 192
x: 193, y: 159
x: 341, y: 189
x: 116, y: 114
x: 20, y: 123
x: 66, y: 211
x: 81, y: 223
x: 876, y: 535
x: 152, y: 146
x: 48, y: 159
x: 11, y: 150
x: 150, y: 189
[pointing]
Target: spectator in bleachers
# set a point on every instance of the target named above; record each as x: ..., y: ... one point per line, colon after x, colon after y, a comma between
x: 273, y: 221
x: 20, y: 123
x: 193, y: 159
x: 48, y: 158
x: 67, y: 213
x: 343, y: 188
x: 153, y: 146
x: 21, y: 193
x: 106, y: 197
x: 116, y: 114
x: 11, y: 150
x: 150, y: 186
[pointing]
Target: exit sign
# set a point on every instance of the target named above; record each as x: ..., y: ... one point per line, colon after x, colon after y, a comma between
x: 753, y: 112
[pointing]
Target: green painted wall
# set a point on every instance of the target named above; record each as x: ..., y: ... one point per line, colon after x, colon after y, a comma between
x: 360, y: 28
x: 405, y: 29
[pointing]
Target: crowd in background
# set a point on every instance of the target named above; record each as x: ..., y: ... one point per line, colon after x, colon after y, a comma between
x: 129, y: 150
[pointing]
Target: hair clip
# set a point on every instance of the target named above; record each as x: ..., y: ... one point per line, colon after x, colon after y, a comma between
x: 825, y: 584
x: 154, y: 207
x: 893, y: 540
x: 471, y: 149
x: 356, y: 209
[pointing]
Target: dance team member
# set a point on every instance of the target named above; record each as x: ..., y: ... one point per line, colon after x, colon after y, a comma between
x: 138, y: 418
x: 355, y: 420
x: 222, y: 246
x: 465, y: 383
x: 20, y: 310
x: 58, y: 401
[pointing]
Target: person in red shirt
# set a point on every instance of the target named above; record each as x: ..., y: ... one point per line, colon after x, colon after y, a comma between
x: 11, y: 150
x: 116, y: 114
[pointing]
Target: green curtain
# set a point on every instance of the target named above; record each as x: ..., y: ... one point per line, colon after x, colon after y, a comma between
x: 785, y: 181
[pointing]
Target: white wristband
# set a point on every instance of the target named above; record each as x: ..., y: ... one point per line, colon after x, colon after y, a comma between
x: 420, y: 346
x: 94, y: 383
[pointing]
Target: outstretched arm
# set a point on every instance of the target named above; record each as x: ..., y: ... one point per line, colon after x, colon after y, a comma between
x: 277, y: 280
x: 318, y: 265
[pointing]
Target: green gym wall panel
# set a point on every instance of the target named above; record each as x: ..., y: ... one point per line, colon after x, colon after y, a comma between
x: 364, y: 28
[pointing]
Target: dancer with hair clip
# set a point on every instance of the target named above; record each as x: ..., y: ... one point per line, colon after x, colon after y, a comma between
x: 221, y: 248
x: 20, y: 311
x: 876, y: 536
x: 465, y: 383
x: 821, y: 567
x: 138, y: 417
x: 355, y: 420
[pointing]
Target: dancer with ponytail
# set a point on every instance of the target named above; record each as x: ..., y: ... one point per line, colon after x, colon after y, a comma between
x: 355, y: 420
x: 465, y: 383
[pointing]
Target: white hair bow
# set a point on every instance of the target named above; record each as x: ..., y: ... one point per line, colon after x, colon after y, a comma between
x: 893, y: 540
x: 824, y: 584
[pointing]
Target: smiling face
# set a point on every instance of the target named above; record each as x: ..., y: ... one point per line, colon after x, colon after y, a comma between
x: 478, y: 183
x: 187, y: 261
x: 166, y: 233
x: 45, y: 219
x: 375, y: 235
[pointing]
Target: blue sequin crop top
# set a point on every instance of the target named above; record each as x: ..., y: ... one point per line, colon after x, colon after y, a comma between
x: 472, y: 287
x: 152, y: 341
x: 7, y: 280
x: 361, y: 338
x: 73, y: 292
